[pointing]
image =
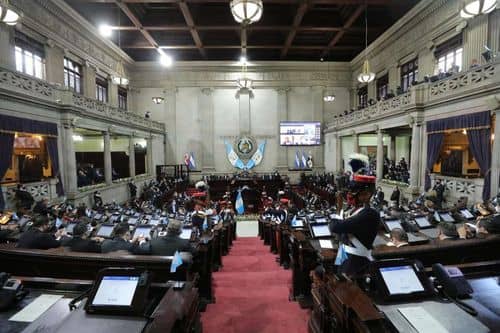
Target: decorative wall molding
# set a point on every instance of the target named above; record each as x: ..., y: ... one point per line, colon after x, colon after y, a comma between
x: 35, y: 90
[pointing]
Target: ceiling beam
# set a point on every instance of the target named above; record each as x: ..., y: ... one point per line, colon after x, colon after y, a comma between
x: 301, y: 11
x: 284, y: 2
x: 131, y: 16
x: 277, y: 46
x: 359, y: 10
x: 248, y: 28
x: 190, y: 22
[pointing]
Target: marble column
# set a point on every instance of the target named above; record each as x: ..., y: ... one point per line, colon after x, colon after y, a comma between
x: 89, y: 76
x: 380, y: 154
x: 355, y: 142
x: 338, y: 153
x: 150, y: 169
x: 317, y: 108
x: 112, y: 93
x: 495, y: 157
x: 7, y: 49
x: 108, y: 175
x: 494, y: 30
x: 54, y: 63
x: 69, y: 165
x: 131, y: 156
x: 244, y: 110
x: 415, y: 157
x: 206, y: 107
x: 282, y: 115
x: 171, y: 126
x: 475, y: 37
x: 394, y: 81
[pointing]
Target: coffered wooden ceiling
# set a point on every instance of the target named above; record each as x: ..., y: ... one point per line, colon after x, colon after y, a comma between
x: 206, y: 30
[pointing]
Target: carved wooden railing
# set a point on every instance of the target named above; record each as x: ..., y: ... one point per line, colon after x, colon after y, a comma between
x: 30, y: 88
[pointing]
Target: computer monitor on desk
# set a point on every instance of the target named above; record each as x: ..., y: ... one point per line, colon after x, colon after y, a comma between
x: 391, y: 224
x: 446, y: 217
x: 186, y: 233
x: 320, y: 230
x: 105, y: 230
x: 423, y: 222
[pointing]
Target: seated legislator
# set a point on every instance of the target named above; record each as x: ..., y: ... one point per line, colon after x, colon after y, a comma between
x: 167, y: 245
x: 38, y: 237
x: 447, y: 230
x: 489, y: 225
x: 120, y: 242
x: 7, y: 230
x: 399, y: 238
x: 80, y: 241
x: 358, y: 231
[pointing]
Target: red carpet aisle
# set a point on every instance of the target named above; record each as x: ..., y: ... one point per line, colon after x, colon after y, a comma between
x: 251, y: 292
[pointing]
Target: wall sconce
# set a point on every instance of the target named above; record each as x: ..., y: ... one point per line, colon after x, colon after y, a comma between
x: 158, y: 100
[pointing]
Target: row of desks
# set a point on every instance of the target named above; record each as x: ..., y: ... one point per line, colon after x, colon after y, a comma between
x: 61, y: 263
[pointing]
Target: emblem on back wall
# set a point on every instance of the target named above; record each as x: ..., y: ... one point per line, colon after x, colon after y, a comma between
x: 246, y: 149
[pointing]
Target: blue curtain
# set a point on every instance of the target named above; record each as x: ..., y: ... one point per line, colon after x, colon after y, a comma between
x: 434, y: 144
x: 54, y: 158
x: 480, y: 146
x: 7, y: 148
x: 467, y: 121
x: 15, y: 124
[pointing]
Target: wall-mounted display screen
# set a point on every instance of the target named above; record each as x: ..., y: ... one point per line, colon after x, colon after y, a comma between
x: 296, y: 133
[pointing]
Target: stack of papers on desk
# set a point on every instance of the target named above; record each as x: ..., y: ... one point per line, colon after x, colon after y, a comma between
x: 421, y: 320
x: 36, y: 308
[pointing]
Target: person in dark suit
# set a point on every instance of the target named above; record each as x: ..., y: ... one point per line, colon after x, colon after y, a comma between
x: 80, y: 241
x: 121, y: 241
x: 439, y: 188
x: 358, y: 231
x: 38, y: 237
x: 167, y: 245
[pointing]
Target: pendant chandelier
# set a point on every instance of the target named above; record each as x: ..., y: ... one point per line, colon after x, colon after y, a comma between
x: 366, y: 76
x: 328, y: 96
x: 244, y: 82
x: 246, y: 11
x: 158, y: 100
x: 473, y: 8
x: 120, y: 78
x: 8, y: 15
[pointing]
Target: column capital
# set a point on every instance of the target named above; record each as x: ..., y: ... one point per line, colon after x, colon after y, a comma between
x: 282, y: 90
x: 207, y: 91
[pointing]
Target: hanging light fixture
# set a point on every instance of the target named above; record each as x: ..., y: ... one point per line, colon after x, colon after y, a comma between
x: 366, y: 76
x: 120, y: 78
x: 473, y: 8
x: 329, y: 96
x: 7, y: 14
x: 158, y: 100
x: 246, y: 11
x: 244, y: 82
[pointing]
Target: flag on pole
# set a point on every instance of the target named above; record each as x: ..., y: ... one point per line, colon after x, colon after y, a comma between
x: 176, y: 262
x: 304, y: 160
x: 233, y: 157
x: 192, y: 163
x: 240, y: 207
x: 297, y: 160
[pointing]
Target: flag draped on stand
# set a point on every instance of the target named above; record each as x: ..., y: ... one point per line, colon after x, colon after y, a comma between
x: 297, y: 160
x: 176, y: 262
x: 192, y: 163
x: 240, y: 207
x: 304, y: 160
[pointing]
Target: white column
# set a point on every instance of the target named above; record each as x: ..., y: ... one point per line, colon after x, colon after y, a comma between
x: 475, y: 37
x: 317, y: 107
x: 423, y: 155
x: 89, y: 75
x: 380, y: 155
x: 355, y: 142
x: 206, y: 109
x: 494, y: 30
x: 244, y: 108
x: 338, y: 153
x: 112, y: 93
x: 131, y: 156
x: 495, y: 157
x: 394, y: 80
x: 69, y: 165
x: 415, y: 157
x: 150, y: 168
x: 389, y: 145
x: 54, y: 63
x: 7, y: 50
x: 108, y: 175
x: 282, y: 115
x: 171, y: 143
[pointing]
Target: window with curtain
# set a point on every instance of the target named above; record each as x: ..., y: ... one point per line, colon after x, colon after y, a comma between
x: 89, y: 153
x: 122, y: 98
x: 363, y: 96
x: 30, y: 56
x: 449, y: 55
x: 101, y: 89
x: 409, y: 72
x: 455, y: 158
x: 382, y: 86
x: 73, y: 75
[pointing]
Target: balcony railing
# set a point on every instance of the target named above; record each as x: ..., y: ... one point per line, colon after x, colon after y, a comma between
x: 475, y: 80
x: 30, y: 88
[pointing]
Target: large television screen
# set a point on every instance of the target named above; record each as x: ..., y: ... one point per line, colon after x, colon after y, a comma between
x: 296, y: 133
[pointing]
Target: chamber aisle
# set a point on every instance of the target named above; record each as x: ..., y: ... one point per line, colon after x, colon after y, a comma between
x: 251, y: 292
